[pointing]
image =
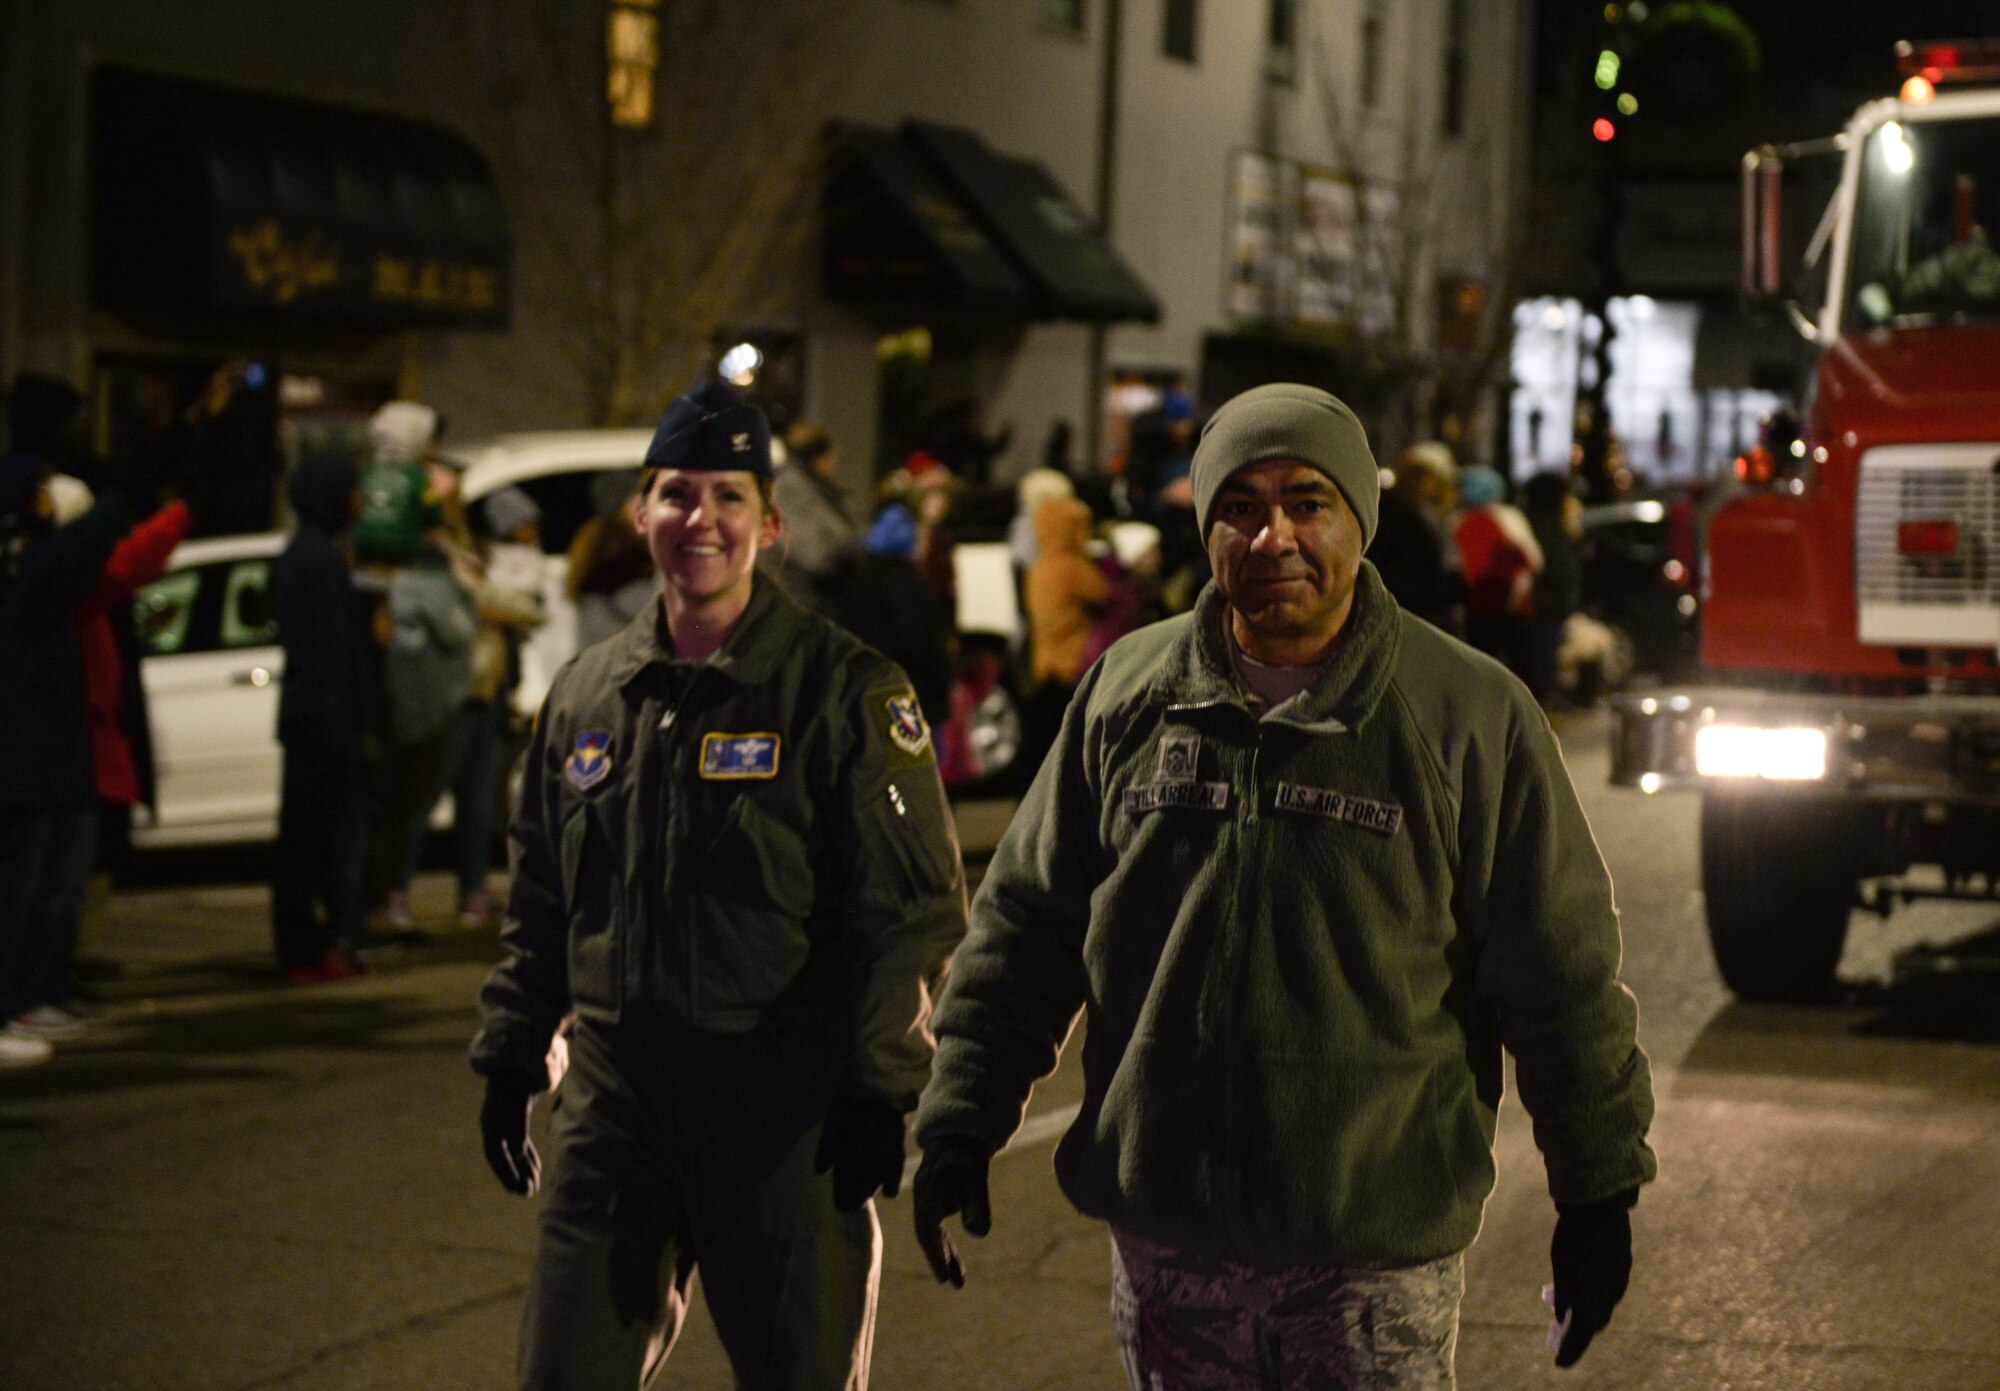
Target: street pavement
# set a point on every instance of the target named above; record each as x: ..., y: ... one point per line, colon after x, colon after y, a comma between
x: 233, y: 1184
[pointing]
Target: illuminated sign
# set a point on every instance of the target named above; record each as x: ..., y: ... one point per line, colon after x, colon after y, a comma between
x: 280, y: 268
x: 271, y: 263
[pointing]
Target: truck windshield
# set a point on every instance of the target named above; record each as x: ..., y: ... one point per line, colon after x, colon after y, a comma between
x: 1926, y: 224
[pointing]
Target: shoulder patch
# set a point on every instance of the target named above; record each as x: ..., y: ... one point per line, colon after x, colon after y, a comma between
x: 589, y: 763
x: 897, y: 716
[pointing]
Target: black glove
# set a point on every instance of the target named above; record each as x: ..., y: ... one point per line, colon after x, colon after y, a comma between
x: 952, y: 1178
x: 1592, y: 1260
x: 862, y: 1142
x: 503, y: 1121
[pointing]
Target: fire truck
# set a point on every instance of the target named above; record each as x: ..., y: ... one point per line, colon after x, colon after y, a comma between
x: 1845, y: 731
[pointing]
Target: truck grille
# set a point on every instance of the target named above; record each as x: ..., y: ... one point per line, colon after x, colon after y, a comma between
x: 1942, y: 600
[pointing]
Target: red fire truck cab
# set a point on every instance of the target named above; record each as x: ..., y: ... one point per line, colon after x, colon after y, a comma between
x: 1845, y: 735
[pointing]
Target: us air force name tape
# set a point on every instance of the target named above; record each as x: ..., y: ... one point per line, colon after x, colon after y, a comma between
x: 1380, y: 817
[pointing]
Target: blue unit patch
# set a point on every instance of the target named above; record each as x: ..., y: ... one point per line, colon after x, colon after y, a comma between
x: 907, y: 730
x: 726, y: 756
x: 589, y: 763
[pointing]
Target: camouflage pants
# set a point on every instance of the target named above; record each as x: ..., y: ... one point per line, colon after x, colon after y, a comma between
x: 1192, y: 1323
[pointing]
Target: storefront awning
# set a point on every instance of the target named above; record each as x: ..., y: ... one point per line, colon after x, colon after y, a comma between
x: 218, y: 199
x: 1076, y: 274
x: 894, y: 232
x: 931, y: 214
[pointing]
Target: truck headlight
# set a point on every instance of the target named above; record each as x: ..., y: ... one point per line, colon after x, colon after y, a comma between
x: 1742, y: 751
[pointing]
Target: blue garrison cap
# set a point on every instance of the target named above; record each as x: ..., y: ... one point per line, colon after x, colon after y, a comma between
x: 712, y: 429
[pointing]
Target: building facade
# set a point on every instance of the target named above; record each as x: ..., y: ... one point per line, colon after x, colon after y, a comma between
x: 1098, y: 197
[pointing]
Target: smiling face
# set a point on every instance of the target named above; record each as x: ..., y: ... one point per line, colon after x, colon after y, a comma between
x: 1286, y: 551
x: 704, y: 530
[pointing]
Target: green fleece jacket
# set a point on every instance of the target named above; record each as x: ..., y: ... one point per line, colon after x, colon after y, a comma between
x: 1300, y: 943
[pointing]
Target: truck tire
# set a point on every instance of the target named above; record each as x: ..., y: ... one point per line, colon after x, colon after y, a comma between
x: 1778, y: 874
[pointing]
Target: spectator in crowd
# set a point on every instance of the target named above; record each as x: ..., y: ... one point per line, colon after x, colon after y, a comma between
x: 121, y: 758
x: 1035, y: 487
x: 1058, y: 450
x: 316, y: 885
x: 1412, y: 538
x: 888, y: 606
x: 610, y: 577
x: 427, y: 624
x: 1555, y: 515
x: 955, y: 436
x: 504, y: 581
x: 1500, y: 557
x: 820, y: 541
x: 48, y: 802
x: 1066, y: 593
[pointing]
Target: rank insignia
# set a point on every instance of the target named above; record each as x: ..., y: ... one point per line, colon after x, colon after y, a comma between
x: 589, y: 763
x: 725, y: 757
x: 1180, y: 753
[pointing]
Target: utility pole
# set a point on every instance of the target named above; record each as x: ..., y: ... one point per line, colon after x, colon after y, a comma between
x: 1107, y: 178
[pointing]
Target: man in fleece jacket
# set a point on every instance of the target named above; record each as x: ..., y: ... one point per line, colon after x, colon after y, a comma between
x: 1307, y: 865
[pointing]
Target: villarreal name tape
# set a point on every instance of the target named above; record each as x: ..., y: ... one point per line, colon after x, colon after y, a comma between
x: 1199, y: 796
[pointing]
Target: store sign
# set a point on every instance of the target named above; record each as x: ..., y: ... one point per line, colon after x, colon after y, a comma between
x: 1308, y: 248
x: 632, y: 60
x: 270, y: 263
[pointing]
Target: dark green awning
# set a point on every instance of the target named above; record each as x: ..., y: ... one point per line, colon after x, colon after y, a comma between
x: 929, y: 215
x: 895, y: 232
x: 215, y: 198
x: 1077, y: 275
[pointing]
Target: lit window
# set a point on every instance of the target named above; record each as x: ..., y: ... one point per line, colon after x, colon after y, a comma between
x: 1177, y: 30
x: 632, y: 51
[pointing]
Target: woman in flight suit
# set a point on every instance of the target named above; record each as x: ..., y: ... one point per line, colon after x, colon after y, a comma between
x: 734, y: 867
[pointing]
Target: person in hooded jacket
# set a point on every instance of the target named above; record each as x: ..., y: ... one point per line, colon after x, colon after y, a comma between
x: 1500, y: 557
x: 322, y: 817
x: 735, y: 868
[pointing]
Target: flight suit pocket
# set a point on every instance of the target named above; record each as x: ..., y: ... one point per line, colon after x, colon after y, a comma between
x: 591, y: 878
x: 757, y: 897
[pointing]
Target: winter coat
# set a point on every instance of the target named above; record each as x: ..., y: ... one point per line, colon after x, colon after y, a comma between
x: 1300, y: 943
x: 820, y: 541
x: 1501, y: 557
x: 427, y: 668
x: 322, y: 702
x: 1065, y: 590
x: 45, y: 758
x: 758, y: 842
x: 136, y: 561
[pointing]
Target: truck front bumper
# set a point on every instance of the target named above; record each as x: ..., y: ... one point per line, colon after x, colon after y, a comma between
x: 1928, y: 748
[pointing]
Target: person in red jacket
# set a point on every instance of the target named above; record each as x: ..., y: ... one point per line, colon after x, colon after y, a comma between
x: 138, y: 559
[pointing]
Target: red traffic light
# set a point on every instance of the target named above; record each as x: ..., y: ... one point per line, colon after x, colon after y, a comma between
x: 1602, y: 128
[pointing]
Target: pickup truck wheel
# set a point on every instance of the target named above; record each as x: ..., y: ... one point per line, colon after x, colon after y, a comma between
x: 1778, y: 876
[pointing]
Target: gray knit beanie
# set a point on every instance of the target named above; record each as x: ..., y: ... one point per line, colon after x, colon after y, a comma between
x: 1287, y: 421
